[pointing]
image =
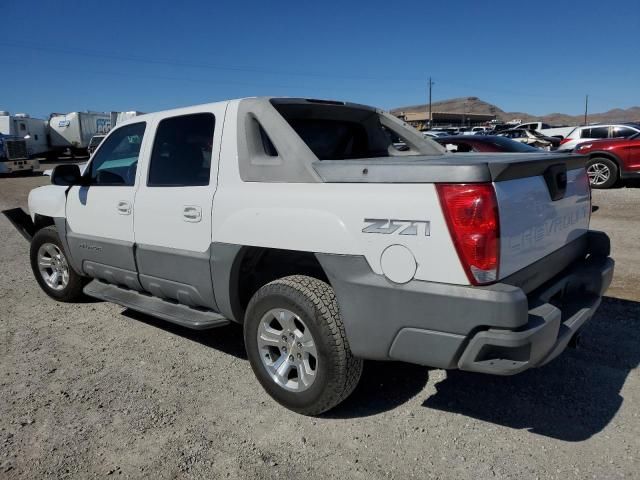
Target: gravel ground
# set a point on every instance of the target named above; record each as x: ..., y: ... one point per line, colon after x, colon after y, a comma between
x: 95, y: 390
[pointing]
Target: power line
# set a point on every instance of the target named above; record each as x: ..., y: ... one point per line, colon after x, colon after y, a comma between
x: 479, y: 90
x: 206, y: 81
x: 178, y: 63
x: 250, y: 69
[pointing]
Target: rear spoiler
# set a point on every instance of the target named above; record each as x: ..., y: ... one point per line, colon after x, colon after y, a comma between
x: 21, y: 221
x: 447, y: 168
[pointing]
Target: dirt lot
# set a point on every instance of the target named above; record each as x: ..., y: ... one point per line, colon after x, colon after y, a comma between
x: 95, y: 390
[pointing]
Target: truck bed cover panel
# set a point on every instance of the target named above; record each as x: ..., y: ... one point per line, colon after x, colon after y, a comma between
x: 454, y: 168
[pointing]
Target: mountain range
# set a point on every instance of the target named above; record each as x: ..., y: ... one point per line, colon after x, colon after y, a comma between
x: 476, y: 105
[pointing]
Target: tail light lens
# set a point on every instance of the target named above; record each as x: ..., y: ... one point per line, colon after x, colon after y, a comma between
x: 471, y: 212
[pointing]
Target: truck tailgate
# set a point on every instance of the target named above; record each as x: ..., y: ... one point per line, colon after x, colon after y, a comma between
x: 532, y: 223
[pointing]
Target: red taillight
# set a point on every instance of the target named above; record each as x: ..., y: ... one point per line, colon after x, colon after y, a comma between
x: 565, y: 140
x: 471, y: 212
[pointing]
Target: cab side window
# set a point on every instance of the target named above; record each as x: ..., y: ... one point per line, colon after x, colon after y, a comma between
x: 182, y: 151
x: 116, y: 161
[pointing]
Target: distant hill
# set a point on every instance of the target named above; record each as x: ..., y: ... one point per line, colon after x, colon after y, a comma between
x: 476, y: 105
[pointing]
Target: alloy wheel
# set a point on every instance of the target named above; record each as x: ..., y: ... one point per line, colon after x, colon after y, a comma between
x: 287, y: 350
x: 598, y: 173
x: 53, y: 266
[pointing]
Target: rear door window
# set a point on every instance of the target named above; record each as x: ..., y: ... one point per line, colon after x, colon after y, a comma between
x: 182, y: 150
x: 595, y: 132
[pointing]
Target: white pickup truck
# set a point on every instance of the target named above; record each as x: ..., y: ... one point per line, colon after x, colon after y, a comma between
x: 546, y: 129
x: 14, y: 156
x: 300, y: 220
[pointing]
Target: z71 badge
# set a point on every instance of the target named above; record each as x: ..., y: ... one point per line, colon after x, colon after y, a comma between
x: 401, y: 227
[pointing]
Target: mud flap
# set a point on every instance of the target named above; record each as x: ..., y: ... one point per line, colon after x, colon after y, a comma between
x: 22, y: 221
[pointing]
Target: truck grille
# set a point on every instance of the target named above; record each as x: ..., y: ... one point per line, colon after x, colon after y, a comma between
x: 16, y: 149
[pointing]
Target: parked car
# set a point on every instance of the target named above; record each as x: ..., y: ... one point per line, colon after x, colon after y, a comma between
x: 299, y: 222
x: 531, y: 137
x: 94, y: 142
x: 598, y: 132
x: 475, y: 131
x: 498, y: 128
x: 611, y: 160
x: 484, y: 143
x: 434, y: 133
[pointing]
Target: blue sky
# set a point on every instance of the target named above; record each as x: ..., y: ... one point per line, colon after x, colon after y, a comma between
x: 538, y: 57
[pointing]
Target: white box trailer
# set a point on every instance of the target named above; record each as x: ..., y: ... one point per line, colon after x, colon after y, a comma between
x: 119, y: 117
x: 33, y: 130
x: 74, y: 130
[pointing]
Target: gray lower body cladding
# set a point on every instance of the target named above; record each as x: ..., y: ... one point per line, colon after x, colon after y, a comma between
x: 500, y: 329
x: 178, y: 274
x: 166, y: 273
x: 106, y: 259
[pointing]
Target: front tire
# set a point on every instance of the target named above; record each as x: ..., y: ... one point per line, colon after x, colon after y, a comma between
x: 602, y: 172
x: 297, y: 346
x: 51, y: 267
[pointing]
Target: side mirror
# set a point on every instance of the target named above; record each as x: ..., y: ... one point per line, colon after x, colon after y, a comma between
x: 66, y: 175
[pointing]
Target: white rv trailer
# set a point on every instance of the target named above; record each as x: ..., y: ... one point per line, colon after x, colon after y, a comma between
x: 33, y: 130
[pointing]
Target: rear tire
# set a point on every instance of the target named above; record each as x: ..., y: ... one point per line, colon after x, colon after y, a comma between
x: 52, y: 269
x: 309, y: 367
x: 603, y: 172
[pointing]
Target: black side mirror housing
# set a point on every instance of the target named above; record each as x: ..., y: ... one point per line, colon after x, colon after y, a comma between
x: 66, y: 175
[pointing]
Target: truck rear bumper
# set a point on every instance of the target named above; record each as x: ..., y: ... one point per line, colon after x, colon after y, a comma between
x: 501, y: 329
x: 558, y: 311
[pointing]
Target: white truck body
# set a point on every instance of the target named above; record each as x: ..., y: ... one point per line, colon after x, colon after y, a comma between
x: 118, y: 117
x: 546, y: 129
x: 437, y: 259
x: 75, y: 129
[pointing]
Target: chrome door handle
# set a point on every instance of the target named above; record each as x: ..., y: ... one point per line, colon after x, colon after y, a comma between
x: 192, y: 213
x: 124, y: 208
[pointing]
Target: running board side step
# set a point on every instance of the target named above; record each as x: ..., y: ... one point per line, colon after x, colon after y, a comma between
x: 173, y: 312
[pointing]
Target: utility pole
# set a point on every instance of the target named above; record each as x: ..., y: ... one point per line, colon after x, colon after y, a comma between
x: 430, y: 85
x: 464, y: 112
x: 586, y: 108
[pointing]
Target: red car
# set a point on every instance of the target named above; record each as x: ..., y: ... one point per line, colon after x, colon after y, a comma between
x: 483, y: 143
x: 611, y: 160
